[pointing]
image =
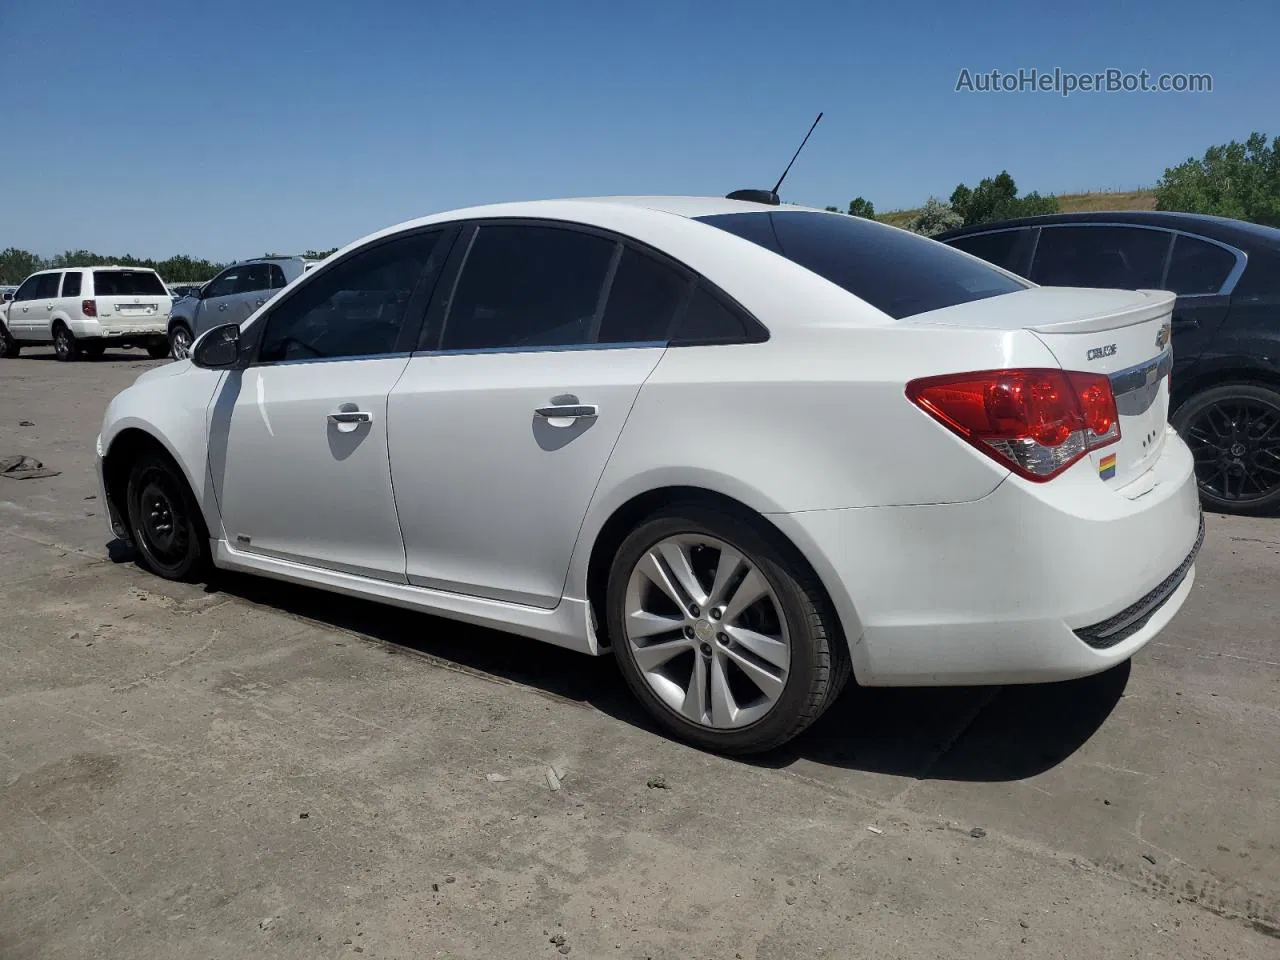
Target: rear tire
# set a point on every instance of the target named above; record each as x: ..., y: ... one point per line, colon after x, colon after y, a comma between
x: 9, y: 347
x: 735, y: 677
x: 65, y: 346
x: 1234, y: 434
x: 165, y: 520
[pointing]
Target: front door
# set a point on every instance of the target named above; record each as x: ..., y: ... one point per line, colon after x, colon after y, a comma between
x: 19, y: 316
x: 499, y: 436
x: 298, y: 440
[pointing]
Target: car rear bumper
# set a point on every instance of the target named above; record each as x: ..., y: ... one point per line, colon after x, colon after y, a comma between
x: 108, y: 329
x: 1034, y: 582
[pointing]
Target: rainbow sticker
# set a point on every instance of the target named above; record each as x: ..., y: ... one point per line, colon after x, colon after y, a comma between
x: 1107, y: 466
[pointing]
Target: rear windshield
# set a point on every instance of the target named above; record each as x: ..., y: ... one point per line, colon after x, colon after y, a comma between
x: 897, y: 272
x: 127, y: 283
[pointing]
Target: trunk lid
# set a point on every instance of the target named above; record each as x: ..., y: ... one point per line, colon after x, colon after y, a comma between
x: 131, y: 297
x: 1125, y: 334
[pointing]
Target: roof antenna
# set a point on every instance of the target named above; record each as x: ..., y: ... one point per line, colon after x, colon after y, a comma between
x: 771, y: 196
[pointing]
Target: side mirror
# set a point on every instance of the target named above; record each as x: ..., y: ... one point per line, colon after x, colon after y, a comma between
x: 217, y: 349
x: 8, y: 295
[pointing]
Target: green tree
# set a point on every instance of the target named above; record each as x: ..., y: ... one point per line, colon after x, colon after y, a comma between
x: 996, y: 198
x: 862, y: 207
x: 16, y: 265
x: 831, y: 209
x: 1240, y: 180
x: 934, y: 217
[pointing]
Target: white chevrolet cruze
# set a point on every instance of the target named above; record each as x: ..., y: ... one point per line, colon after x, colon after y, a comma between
x: 747, y: 448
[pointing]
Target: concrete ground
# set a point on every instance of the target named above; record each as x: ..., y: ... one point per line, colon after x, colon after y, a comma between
x: 250, y: 769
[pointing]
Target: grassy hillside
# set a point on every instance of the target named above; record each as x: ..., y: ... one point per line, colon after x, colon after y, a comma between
x: 1070, y: 203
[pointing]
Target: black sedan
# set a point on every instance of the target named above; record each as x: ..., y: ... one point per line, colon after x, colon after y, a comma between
x: 1226, y: 323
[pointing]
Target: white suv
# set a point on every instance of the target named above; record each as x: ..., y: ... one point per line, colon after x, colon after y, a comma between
x: 80, y: 310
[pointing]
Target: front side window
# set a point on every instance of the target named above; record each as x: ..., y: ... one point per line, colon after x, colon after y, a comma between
x: 71, y: 283
x: 1125, y: 258
x: 1198, y: 267
x: 527, y: 286
x: 356, y: 308
x: 127, y: 283
x: 999, y: 247
x: 28, y: 289
x: 224, y: 284
x: 47, y: 288
x: 897, y: 272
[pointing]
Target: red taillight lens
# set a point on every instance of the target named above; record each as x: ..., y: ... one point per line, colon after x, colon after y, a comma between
x: 89, y: 308
x: 1038, y: 422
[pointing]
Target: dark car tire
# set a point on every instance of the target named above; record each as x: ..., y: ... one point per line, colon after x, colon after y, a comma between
x: 1234, y: 434
x: 159, y: 349
x: 65, y: 345
x: 9, y: 347
x: 180, y: 340
x: 165, y: 520
x: 819, y: 663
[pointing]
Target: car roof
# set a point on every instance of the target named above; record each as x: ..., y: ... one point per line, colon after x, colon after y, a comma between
x: 1239, y: 232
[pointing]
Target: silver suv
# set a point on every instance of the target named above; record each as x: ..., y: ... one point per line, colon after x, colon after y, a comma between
x: 231, y: 297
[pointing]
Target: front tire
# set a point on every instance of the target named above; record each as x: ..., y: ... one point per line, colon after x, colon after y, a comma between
x: 65, y: 346
x: 1234, y: 434
x: 165, y: 520
x: 180, y: 340
x: 722, y: 630
x: 9, y: 347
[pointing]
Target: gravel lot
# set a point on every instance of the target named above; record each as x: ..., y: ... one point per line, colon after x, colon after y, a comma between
x: 251, y: 769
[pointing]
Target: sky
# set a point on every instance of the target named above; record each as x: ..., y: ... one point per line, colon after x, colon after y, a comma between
x: 233, y: 129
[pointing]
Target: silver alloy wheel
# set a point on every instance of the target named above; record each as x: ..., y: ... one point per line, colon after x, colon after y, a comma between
x: 707, y: 632
x: 180, y: 343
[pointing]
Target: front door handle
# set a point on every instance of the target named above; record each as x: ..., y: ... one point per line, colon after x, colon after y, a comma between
x: 351, y: 416
x: 222, y: 306
x: 568, y: 411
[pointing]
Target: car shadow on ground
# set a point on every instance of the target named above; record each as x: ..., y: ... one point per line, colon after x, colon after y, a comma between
x: 941, y: 733
x: 110, y: 356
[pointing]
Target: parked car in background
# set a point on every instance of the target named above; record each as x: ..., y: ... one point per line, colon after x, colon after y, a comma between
x: 1226, y: 323
x: 231, y: 297
x: 83, y: 310
x: 747, y: 449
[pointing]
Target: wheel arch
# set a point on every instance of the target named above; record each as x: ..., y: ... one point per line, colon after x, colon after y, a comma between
x: 1221, y: 377
x: 123, y: 449
x: 629, y: 514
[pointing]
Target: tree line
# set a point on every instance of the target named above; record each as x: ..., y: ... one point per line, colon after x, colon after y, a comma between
x: 16, y: 265
x: 1240, y: 179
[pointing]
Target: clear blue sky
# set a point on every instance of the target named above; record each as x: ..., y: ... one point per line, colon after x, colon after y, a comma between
x: 229, y: 129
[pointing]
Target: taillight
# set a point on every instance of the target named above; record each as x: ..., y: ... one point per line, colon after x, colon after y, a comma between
x: 1037, y: 422
x: 89, y: 308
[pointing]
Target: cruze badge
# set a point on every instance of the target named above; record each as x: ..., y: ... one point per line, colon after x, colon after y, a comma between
x: 1163, y: 335
x: 1097, y: 353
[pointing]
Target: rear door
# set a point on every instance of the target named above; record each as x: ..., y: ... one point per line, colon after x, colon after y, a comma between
x: 40, y: 316
x: 130, y: 298
x: 501, y: 427
x: 253, y: 289
x: 1199, y: 270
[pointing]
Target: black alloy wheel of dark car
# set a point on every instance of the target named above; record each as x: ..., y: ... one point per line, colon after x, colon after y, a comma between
x: 1234, y: 435
x: 65, y: 346
x: 167, y: 528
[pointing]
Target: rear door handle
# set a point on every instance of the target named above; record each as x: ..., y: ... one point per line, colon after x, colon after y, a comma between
x: 1186, y: 322
x: 351, y: 416
x: 568, y: 411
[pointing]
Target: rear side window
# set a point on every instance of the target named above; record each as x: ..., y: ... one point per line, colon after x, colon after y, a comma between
x: 254, y: 277
x: 643, y: 300
x: 707, y: 319
x: 71, y: 283
x: 277, y: 276
x: 1000, y: 247
x: 1198, y: 267
x: 47, y: 286
x: 1126, y: 258
x: 526, y: 286
x: 897, y: 272
x: 127, y: 283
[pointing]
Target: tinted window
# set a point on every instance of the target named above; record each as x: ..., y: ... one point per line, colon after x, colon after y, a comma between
x: 355, y: 309
x: 1125, y: 257
x: 47, y: 286
x: 254, y: 277
x: 277, y: 276
x: 224, y: 284
x: 527, y: 286
x: 643, y: 300
x: 1198, y: 267
x: 897, y: 272
x: 1000, y: 248
x: 71, y: 283
x: 127, y: 283
x: 708, y: 320
x: 28, y: 289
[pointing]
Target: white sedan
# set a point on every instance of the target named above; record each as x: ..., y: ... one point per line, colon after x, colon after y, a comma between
x: 749, y: 449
